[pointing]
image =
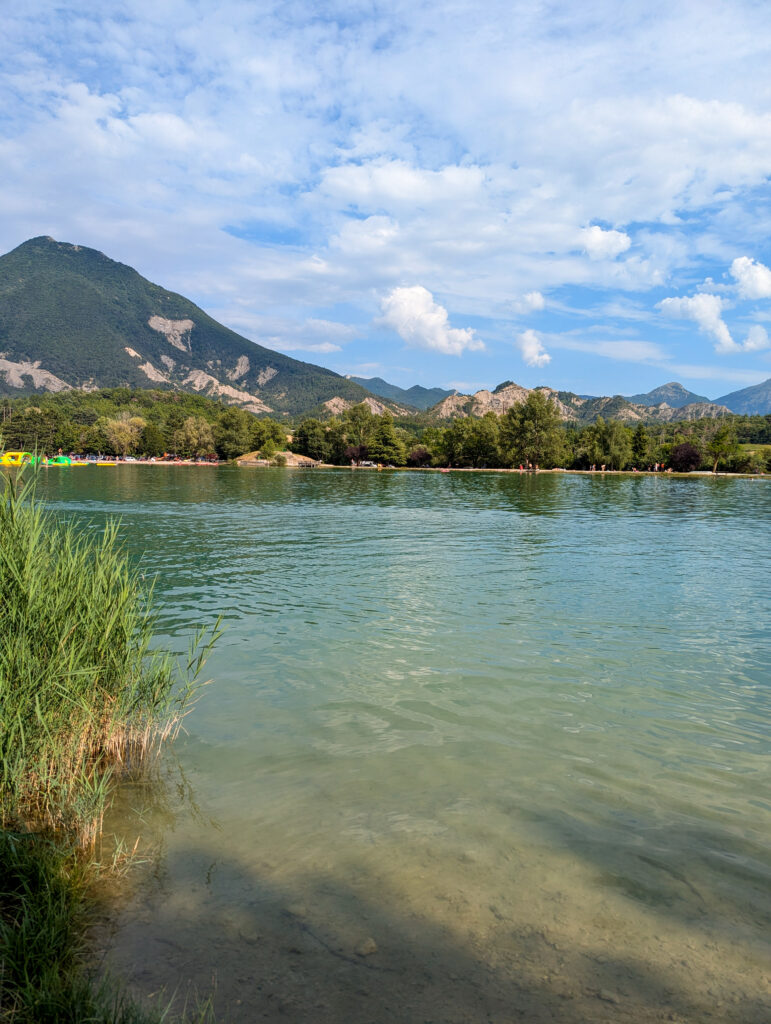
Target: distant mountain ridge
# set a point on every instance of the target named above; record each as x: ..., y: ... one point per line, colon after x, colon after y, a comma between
x: 752, y: 401
x: 70, y: 317
x: 673, y: 394
x: 416, y: 396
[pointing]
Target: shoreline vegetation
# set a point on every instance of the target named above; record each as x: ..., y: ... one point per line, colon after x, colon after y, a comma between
x: 86, y: 700
x: 173, y: 427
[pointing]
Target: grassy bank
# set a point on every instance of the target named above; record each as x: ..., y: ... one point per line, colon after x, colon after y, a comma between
x: 84, y: 699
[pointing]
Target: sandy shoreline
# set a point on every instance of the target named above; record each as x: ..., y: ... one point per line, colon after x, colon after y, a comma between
x: 254, y: 464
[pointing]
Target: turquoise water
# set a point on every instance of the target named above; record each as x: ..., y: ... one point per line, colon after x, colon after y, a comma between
x: 477, y: 746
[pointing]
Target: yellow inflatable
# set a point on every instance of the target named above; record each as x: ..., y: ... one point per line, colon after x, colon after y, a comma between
x: 18, y: 459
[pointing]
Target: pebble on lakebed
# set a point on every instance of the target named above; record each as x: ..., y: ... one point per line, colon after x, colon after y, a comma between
x: 366, y: 948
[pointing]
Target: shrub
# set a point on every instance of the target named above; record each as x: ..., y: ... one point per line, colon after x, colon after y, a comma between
x: 685, y: 457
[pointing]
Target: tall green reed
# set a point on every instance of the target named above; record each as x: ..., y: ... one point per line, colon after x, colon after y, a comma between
x: 83, y: 695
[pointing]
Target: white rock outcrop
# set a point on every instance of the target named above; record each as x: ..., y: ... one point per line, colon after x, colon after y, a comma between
x: 177, y: 332
x: 15, y: 372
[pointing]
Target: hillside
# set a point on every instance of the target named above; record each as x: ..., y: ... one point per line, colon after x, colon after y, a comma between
x: 673, y: 394
x: 753, y: 401
x: 416, y: 396
x: 573, y: 408
x: 70, y: 317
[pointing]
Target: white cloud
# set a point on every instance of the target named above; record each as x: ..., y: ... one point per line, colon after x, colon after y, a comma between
x: 423, y: 323
x: 531, y: 302
x: 398, y: 182
x: 146, y: 131
x: 531, y: 347
x: 285, y: 335
x: 284, y: 345
x: 628, y: 350
x: 757, y: 339
x: 753, y: 279
x: 685, y: 371
x: 705, y: 310
x: 364, y: 237
x: 599, y: 244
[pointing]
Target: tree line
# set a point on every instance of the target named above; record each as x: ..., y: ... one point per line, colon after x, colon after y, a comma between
x: 530, y: 434
x: 151, y: 422
x: 127, y: 421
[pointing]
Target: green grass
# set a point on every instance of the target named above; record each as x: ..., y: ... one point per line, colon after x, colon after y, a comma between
x: 83, y: 699
x: 760, y: 449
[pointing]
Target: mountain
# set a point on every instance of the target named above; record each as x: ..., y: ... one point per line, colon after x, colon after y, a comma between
x: 572, y: 408
x: 753, y: 401
x: 416, y: 396
x: 674, y: 394
x: 70, y: 317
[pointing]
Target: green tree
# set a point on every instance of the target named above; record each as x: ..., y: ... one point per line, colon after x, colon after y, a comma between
x: 233, y: 433
x: 175, y: 419
x: 152, y: 441
x: 614, y: 442
x: 454, y: 444
x: 359, y: 422
x: 269, y: 429
x: 268, y: 448
x: 336, y: 442
x: 432, y: 438
x: 123, y: 432
x: 384, y: 445
x: 480, y: 446
x: 722, y: 446
x: 532, y: 432
x: 640, y: 446
x: 310, y: 439
x: 194, y: 437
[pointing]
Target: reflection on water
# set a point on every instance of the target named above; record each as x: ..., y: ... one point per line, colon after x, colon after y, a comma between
x: 479, y: 746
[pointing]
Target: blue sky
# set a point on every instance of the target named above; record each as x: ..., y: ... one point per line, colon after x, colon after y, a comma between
x: 449, y: 193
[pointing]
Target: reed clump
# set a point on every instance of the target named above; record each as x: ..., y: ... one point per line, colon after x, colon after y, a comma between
x: 84, y: 698
x: 82, y: 694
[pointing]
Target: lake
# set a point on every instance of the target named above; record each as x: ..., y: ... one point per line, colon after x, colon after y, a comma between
x: 477, y: 746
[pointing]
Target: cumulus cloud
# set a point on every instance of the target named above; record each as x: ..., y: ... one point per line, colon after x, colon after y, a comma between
x: 531, y: 347
x: 757, y: 339
x: 397, y: 182
x: 599, y: 244
x: 415, y: 148
x: 706, y: 311
x: 753, y: 279
x: 423, y: 323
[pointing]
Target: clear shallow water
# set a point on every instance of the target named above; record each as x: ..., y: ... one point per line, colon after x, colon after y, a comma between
x: 513, y: 730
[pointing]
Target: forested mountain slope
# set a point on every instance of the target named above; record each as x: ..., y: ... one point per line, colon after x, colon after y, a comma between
x: 70, y: 317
